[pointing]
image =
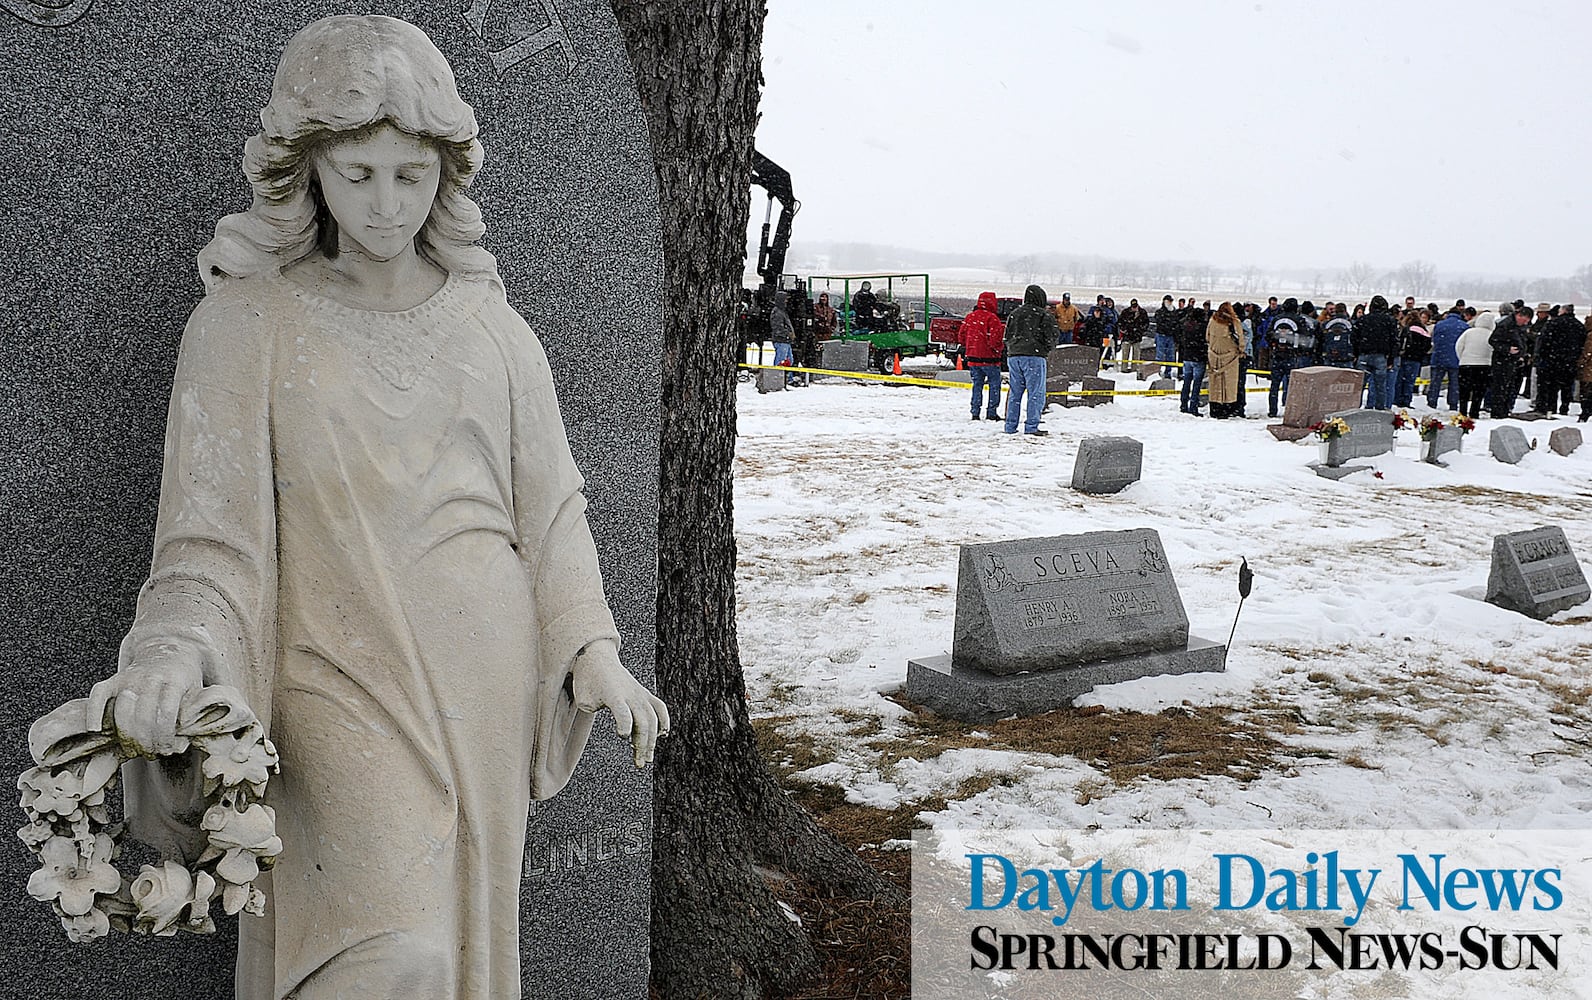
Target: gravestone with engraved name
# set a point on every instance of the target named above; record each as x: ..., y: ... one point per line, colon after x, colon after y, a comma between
x: 123, y: 134
x: 1107, y: 464
x: 1371, y: 433
x: 1508, y: 445
x: 1536, y: 573
x: 845, y: 355
x: 1565, y: 440
x: 1313, y: 393
x: 1040, y: 621
x: 1069, y: 365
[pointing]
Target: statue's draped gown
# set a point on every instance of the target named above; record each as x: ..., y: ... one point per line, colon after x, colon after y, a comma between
x: 370, y: 523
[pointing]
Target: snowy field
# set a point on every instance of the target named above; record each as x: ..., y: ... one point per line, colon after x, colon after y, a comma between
x: 1368, y: 685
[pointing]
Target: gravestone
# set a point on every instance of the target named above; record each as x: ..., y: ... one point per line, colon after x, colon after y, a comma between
x: 1535, y: 573
x: 845, y: 355
x: 1040, y: 621
x: 1107, y: 464
x: 1313, y: 393
x: 1093, y: 392
x: 1447, y: 439
x: 1072, y: 363
x: 1371, y: 433
x: 1508, y: 445
x: 1564, y: 440
x: 771, y: 380
x: 123, y: 135
x: 1163, y: 385
x: 1148, y: 370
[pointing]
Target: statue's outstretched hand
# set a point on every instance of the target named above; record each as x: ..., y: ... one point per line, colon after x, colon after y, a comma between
x: 600, y: 681
x: 147, y: 694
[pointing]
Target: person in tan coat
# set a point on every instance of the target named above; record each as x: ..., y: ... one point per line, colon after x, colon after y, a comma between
x: 1067, y: 317
x: 1225, y: 351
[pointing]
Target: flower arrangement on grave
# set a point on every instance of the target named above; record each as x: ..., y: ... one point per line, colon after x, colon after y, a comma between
x: 1429, y: 426
x: 70, y: 829
x: 1330, y: 430
x: 1402, y: 419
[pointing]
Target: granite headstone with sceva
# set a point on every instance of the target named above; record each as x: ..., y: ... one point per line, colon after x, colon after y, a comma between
x: 1565, y: 440
x: 845, y: 355
x: 1107, y: 464
x: 1508, y: 445
x: 123, y: 134
x: 1313, y: 393
x: 1536, y: 573
x: 1040, y: 621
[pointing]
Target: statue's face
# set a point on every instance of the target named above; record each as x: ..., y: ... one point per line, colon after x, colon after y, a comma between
x: 379, y: 186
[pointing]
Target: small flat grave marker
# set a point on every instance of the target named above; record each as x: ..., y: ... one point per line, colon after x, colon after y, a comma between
x: 1508, y: 445
x: 1107, y: 464
x: 1566, y: 439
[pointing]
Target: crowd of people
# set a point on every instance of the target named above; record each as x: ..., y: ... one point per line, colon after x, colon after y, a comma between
x: 1483, y: 359
x: 1478, y: 359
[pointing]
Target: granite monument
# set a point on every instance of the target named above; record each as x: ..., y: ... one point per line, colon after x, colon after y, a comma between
x: 1040, y: 621
x: 1536, y: 573
x: 1313, y: 393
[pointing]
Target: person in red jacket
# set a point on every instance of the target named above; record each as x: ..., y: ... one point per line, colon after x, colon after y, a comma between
x: 983, y: 343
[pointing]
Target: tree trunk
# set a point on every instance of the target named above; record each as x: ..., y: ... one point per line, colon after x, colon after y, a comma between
x: 725, y: 833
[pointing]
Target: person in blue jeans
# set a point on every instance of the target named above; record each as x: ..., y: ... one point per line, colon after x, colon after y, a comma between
x: 1415, y: 347
x: 1445, y: 356
x: 1166, y: 336
x: 1375, y: 340
x: 1031, y: 331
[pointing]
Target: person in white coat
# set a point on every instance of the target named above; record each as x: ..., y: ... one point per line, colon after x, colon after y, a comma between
x: 1475, y: 364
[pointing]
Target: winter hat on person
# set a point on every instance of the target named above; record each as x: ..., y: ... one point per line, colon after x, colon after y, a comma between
x: 1543, y: 307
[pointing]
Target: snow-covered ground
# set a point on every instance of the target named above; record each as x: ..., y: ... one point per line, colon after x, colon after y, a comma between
x: 1397, y: 696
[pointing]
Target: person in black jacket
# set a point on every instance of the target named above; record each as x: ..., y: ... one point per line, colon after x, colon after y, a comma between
x: 1376, y: 341
x: 1558, y: 349
x: 1031, y: 332
x: 1166, y: 328
x: 1288, y: 329
x: 1508, y: 343
x: 1193, y: 348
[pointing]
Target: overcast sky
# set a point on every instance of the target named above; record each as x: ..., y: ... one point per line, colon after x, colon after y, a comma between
x: 1273, y: 133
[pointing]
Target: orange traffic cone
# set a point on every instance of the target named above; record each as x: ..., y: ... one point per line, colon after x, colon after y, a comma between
x: 958, y: 362
x: 896, y: 369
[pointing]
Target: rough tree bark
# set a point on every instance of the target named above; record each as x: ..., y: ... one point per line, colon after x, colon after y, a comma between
x: 725, y: 833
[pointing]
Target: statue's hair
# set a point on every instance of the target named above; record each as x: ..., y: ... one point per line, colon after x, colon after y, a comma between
x: 339, y: 76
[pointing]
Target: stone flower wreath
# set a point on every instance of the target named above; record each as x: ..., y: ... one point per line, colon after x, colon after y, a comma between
x: 71, y: 832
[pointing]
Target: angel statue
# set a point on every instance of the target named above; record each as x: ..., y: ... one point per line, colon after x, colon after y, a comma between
x: 371, y: 526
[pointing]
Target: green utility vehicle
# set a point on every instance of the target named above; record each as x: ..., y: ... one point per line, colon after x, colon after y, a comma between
x: 876, y: 314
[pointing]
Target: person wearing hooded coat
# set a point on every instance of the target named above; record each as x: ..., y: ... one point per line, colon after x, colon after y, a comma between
x: 1031, y: 332
x: 1475, y: 364
x: 1375, y: 341
x: 983, y: 341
